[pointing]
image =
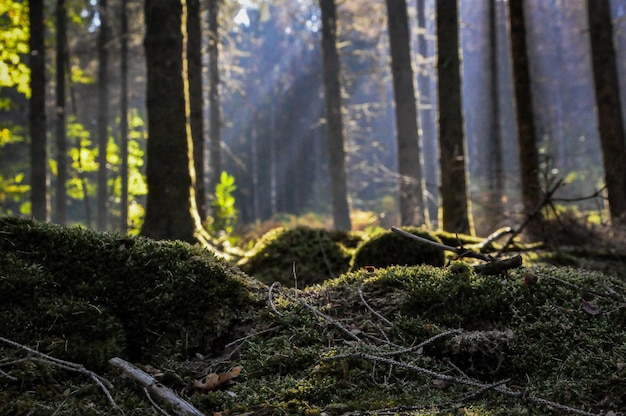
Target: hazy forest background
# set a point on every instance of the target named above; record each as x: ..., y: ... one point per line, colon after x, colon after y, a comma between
x: 76, y: 134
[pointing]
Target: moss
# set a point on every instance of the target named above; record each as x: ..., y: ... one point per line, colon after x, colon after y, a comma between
x: 389, y: 248
x: 318, y: 255
x: 88, y: 296
x: 558, y: 337
x: 455, y: 239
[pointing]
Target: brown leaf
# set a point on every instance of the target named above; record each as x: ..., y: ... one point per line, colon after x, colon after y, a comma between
x: 590, y: 308
x: 216, y: 381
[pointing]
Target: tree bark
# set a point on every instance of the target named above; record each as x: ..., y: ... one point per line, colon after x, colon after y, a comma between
x: 609, y: 108
x: 426, y: 108
x: 194, y: 51
x: 103, y: 113
x: 527, y: 141
x: 61, y: 139
x: 412, y: 206
x: 495, y: 170
x: 124, y: 115
x: 456, y: 216
x: 168, y: 207
x: 38, y: 152
x: 335, y: 139
x: 215, y: 136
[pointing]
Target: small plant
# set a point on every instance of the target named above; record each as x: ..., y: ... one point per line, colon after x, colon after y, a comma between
x: 223, y: 205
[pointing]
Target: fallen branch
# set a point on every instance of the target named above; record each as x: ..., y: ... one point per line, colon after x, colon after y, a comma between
x: 493, y: 266
x: 66, y: 365
x: 165, y: 395
x: 498, y: 387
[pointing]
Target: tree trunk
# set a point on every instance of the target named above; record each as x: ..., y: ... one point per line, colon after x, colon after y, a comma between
x: 38, y: 152
x: 610, y: 121
x: 412, y: 206
x: 194, y: 31
x: 455, y: 205
x: 103, y: 113
x: 61, y: 140
x: 124, y: 115
x: 168, y: 208
x: 527, y: 142
x: 426, y: 106
x: 495, y: 170
x: 215, y: 136
x: 335, y: 140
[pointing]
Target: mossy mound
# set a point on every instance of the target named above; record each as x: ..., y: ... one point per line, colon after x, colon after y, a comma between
x: 318, y: 255
x: 86, y: 296
x: 416, y: 340
x: 389, y: 248
x: 425, y: 340
x: 455, y: 239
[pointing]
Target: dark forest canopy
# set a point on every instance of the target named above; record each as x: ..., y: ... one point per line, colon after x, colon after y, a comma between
x: 272, y: 110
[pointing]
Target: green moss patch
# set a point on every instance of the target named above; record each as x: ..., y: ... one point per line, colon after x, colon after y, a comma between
x: 89, y: 296
x: 388, y: 248
x: 317, y: 254
x: 395, y: 340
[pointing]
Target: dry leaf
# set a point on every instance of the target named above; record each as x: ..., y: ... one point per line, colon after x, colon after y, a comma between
x: 216, y: 381
x: 590, y: 308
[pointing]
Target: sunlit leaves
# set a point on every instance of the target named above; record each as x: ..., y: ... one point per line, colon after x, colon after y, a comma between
x: 12, y: 189
x: 8, y: 136
x: 14, y: 33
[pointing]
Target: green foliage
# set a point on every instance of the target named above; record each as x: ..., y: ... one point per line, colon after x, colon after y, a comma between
x: 388, y: 248
x: 14, y: 33
x: 223, y: 205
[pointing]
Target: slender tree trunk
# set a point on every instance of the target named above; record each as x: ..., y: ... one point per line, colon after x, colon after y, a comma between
x: 103, y: 113
x: 61, y: 140
x: 171, y: 212
x: 495, y: 170
x: 215, y: 135
x: 124, y: 115
x: 609, y: 108
x: 335, y: 140
x: 412, y: 206
x: 194, y: 32
x: 527, y: 142
x: 38, y: 152
x: 455, y: 205
x: 426, y: 108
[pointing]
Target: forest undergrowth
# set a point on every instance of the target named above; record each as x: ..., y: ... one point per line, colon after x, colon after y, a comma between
x: 548, y: 337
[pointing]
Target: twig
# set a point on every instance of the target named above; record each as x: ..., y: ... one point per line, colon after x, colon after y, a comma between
x: 422, y: 344
x: 103, y: 383
x: 495, y: 387
x: 180, y: 406
x: 493, y: 266
x: 460, y: 252
x: 493, y: 237
x: 327, y: 318
x: 271, y: 298
x: 378, y: 315
x: 156, y: 406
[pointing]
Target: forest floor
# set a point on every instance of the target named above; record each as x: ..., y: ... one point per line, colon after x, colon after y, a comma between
x: 97, y: 324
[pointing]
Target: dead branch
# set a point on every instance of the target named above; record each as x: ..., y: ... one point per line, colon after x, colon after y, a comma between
x: 498, y: 387
x: 165, y: 395
x: 459, y: 251
x: 493, y: 266
x: 103, y: 383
